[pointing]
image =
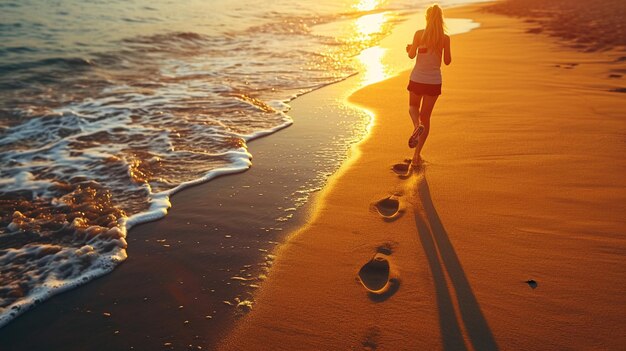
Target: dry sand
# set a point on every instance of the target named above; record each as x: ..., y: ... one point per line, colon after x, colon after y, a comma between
x: 587, y: 25
x: 524, y: 179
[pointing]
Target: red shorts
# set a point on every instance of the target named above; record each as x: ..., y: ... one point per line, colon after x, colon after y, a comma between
x: 424, y: 89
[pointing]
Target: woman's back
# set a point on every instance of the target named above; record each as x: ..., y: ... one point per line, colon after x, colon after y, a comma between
x: 427, y: 67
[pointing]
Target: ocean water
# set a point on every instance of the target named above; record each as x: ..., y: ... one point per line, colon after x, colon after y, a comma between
x: 109, y: 107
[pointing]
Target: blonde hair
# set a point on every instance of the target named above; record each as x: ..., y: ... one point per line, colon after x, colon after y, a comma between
x: 433, y: 36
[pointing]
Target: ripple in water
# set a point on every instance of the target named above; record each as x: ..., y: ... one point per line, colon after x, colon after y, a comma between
x: 91, y: 145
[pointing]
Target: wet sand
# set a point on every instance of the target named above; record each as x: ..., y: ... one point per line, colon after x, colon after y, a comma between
x: 207, y: 255
x: 512, y: 190
x: 511, y: 235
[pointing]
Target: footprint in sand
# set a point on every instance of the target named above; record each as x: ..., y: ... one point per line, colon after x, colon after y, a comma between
x: 370, y: 341
x: 568, y: 65
x: 405, y: 169
x: 389, y: 208
x: 402, y: 168
x: 379, y: 277
x: 386, y: 248
x: 532, y: 283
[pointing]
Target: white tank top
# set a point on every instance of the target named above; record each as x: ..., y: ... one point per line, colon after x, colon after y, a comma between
x: 427, y: 67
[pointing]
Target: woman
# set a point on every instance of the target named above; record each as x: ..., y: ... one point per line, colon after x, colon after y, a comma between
x: 429, y: 44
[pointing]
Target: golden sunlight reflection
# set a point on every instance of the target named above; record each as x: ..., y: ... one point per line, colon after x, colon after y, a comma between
x: 367, y: 5
x: 374, y: 70
x: 370, y: 24
x: 460, y: 25
x: 371, y: 59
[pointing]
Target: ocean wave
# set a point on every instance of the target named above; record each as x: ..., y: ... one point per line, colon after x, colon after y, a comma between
x: 91, y: 145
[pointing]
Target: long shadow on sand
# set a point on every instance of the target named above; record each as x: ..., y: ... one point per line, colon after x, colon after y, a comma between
x: 441, y: 255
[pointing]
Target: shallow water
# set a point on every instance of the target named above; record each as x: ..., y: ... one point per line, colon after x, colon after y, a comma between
x: 108, y: 107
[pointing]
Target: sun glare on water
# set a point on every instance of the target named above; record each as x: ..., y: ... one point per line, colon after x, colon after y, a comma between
x: 366, y: 27
x: 372, y: 61
x: 368, y: 5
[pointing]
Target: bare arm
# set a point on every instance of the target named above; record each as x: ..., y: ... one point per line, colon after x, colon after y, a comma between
x: 447, y: 56
x: 411, y: 49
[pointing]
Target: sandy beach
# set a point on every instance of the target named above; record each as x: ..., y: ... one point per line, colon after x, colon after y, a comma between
x: 509, y: 237
x: 187, y: 273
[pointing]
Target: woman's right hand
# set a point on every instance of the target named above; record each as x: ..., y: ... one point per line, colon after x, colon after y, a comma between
x: 408, y: 48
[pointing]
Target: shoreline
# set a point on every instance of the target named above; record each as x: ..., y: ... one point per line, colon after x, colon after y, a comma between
x: 426, y: 201
x: 216, y: 274
x: 114, y: 304
x: 503, y: 172
x: 208, y: 263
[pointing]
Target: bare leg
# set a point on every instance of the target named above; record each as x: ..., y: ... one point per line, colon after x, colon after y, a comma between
x: 414, y: 108
x: 428, y: 103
